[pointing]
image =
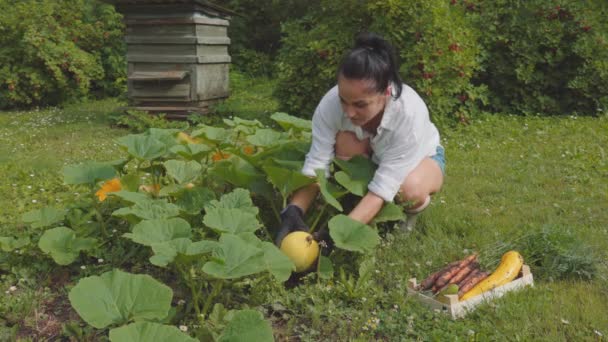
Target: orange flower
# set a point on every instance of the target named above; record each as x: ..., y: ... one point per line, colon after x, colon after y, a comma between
x: 112, y: 185
x: 248, y: 150
x: 219, y: 155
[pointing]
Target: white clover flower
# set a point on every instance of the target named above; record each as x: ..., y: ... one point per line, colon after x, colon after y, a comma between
x: 29, y: 186
x: 181, y: 302
x: 183, y: 328
x: 100, y: 260
x: 31, y: 175
x: 83, y: 267
x: 12, y: 288
x: 34, y: 201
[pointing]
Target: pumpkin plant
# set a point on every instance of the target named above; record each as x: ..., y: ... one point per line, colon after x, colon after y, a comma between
x: 190, y: 203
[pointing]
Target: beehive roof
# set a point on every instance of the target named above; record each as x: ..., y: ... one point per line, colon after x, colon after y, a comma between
x: 202, y: 3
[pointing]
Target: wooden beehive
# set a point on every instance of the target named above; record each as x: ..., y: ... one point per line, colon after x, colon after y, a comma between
x: 177, y: 55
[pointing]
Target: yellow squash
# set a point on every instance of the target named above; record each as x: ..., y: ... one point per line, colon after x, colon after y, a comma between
x: 301, y: 248
x: 510, y: 265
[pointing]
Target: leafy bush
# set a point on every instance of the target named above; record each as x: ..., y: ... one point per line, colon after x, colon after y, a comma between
x: 438, y: 49
x: 544, y: 56
x: 256, y: 32
x: 54, y: 51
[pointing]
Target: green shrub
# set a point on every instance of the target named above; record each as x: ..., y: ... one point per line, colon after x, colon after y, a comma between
x: 54, y: 51
x: 437, y: 46
x: 311, y: 51
x: 256, y: 33
x: 544, y: 56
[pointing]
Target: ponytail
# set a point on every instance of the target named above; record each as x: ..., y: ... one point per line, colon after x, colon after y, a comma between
x: 373, y: 58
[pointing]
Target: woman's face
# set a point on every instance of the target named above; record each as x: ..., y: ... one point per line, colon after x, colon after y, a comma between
x: 359, y: 99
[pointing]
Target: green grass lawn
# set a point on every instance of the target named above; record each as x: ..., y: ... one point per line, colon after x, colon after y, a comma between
x: 533, y: 183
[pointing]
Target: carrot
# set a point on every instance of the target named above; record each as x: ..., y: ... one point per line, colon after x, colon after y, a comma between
x: 462, y: 274
x: 445, y: 277
x: 430, y: 280
x: 472, y: 281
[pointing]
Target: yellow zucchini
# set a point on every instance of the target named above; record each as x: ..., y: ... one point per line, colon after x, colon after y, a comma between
x: 510, y: 265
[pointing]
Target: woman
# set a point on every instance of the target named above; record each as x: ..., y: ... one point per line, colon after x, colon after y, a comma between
x: 372, y: 113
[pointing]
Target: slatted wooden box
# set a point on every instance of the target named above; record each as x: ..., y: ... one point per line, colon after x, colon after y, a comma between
x: 458, y: 309
x: 177, y: 54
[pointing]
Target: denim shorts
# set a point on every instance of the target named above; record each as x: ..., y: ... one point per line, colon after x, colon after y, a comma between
x: 439, y: 157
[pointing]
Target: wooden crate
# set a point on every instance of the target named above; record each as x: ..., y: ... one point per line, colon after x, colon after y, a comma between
x: 457, y: 309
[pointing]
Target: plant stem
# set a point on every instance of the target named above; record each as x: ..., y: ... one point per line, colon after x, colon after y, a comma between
x: 102, y: 223
x: 217, y: 288
x: 275, y: 211
x: 193, y: 288
x: 316, y: 221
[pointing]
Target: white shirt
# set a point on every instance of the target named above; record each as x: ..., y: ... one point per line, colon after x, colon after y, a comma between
x: 404, y: 138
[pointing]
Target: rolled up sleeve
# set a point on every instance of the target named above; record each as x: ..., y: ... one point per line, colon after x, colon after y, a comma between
x: 321, y: 152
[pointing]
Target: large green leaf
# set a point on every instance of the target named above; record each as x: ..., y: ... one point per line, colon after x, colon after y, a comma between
x: 389, y: 212
x: 143, y: 147
x: 166, y: 252
x: 237, y: 199
x: 287, y: 181
x: 290, y: 151
x: 117, y: 297
x: 287, y: 122
x: 150, y: 210
x: 356, y: 174
x: 149, y: 232
x: 352, y: 235
x: 267, y: 137
x: 240, y: 173
x: 147, y: 332
x: 63, y: 245
x: 234, y: 258
x: 191, y: 151
x: 358, y: 167
x: 324, y: 187
x: 9, y: 243
x: 192, y: 201
x: 44, y: 217
x: 164, y: 135
x: 130, y: 196
x: 247, y: 325
x: 88, y: 173
x: 182, y: 171
x: 277, y: 263
x: 231, y: 220
x: 213, y: 134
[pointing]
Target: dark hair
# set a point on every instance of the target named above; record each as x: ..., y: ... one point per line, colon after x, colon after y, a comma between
x: 372, y: 58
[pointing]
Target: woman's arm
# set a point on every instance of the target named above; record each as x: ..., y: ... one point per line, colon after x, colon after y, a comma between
x: 367, y: 208
x: 304, y: 197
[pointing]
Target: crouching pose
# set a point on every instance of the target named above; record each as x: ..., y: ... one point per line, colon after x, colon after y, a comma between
x: 371, y: 112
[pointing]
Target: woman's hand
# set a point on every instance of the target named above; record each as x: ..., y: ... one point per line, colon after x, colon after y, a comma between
x: 292, y: 219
